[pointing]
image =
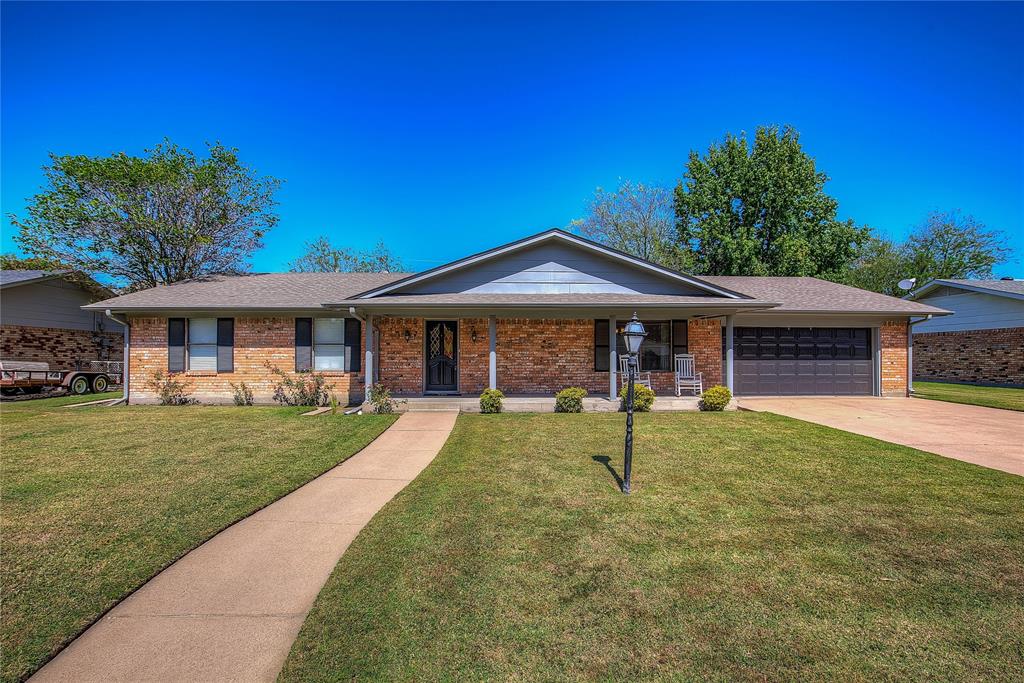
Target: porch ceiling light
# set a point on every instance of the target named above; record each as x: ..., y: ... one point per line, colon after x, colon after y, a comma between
x: 634, y: 334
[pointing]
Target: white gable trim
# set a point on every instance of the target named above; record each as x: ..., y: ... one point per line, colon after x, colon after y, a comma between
x: 935, y: 284
x: 543, y: 237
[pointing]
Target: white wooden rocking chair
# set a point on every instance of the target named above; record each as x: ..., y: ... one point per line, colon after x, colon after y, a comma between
x: 686, y: 377
x: 642, y: 378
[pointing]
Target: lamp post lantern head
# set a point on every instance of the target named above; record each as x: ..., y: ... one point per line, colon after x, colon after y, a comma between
x: 634, y: 334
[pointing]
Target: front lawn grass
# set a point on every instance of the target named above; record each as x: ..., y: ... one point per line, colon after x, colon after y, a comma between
x: 990, y: 397
x: 754, y: 547
x: 97, y: 500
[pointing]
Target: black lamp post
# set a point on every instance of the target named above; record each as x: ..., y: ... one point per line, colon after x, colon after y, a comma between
x: 633, y: 334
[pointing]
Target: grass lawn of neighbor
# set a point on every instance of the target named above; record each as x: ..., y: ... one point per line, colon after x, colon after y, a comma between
x: 753, y: 547
x: 989, y: 397
x: 97, y: 500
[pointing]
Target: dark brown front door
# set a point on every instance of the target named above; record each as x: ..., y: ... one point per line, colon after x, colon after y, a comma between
x: 442, y: 354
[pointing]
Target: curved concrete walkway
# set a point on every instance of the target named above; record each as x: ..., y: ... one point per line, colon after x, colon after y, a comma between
x: 231, y: 609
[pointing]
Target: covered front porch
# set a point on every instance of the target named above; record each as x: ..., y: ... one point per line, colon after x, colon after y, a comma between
x: 536, y: 403
x: 531, y: 354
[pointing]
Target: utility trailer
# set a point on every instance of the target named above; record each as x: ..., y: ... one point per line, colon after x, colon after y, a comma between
x: 32, y: 378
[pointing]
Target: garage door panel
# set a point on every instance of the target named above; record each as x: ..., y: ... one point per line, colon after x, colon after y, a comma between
x: 773, y: 361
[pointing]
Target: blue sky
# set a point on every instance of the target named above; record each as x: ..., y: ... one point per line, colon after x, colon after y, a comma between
x: 446, y: 129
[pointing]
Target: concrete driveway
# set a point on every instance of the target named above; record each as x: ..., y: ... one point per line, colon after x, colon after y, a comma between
x: 984, y: 436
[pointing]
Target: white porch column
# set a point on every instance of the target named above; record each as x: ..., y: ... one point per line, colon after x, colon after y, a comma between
x: 492, y: 353
x: 728, y: 353
x: 613, y: 361
x: 368, y: 369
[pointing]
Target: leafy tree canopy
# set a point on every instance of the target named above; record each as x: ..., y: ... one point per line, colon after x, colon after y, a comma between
x: 323, y: 257
x: 15, y: 262
x: 144, y: 221
x: 762, y: 210
x: 946, y: 244
x: 637, y: 219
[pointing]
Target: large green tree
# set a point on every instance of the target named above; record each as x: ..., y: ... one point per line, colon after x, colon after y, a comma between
x: 636, y: 218
x: 323, y: 257
x: 762, y: 209
x: 145, y: 221
x: 947, y: 244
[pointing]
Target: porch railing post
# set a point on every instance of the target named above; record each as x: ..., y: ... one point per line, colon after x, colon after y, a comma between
x: 492, y: 353
x: 728, y: 353
x: 613, y: 361
x: 369, y: 371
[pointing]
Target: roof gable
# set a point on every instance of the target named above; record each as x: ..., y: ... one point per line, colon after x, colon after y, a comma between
x: 552, y: 262
x: 1013, y: 289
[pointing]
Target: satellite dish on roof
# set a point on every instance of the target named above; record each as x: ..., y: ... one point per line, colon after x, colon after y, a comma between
x: 907, y: 284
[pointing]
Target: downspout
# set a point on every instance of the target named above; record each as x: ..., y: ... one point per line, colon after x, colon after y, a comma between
x: 910, y: 350
x: 125, y: 377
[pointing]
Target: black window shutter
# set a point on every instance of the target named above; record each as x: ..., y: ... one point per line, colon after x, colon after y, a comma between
x: 225, y: 344
x: 680, y: 341
x: 175, y: 345
x: 353, y: 335
x: 601, y: 350
x: 303, y: 344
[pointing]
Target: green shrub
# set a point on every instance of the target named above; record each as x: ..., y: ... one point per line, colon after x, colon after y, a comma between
x: 242, y: 394
x: 170, y: 391
x: 643, y: 398
x: 379, y: 398
x: 490, y: 401
x: 570, y: 400
x: 305, y: 389
x: 715, y: 398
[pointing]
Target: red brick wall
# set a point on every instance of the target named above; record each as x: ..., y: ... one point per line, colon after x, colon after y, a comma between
x: 63, y: 349
x: 400, y: 360
x: 542, y: 356
x: 473, y: 355
x: 989, y: 356
x: 704, y: 341
x: 258, y: 341
x: 893, y: 335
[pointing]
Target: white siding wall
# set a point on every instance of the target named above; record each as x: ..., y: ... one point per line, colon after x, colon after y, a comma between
x: 971, y: 311
x: 54, y: 303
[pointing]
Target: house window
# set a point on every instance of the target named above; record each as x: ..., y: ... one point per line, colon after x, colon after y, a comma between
x: 202, y: 344
x: 656, y: 351
x: 664, y: 338
x: 329, y: 344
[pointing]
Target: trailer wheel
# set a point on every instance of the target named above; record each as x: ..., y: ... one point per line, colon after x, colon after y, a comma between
x: 79, y: 385
x: 100, y: 383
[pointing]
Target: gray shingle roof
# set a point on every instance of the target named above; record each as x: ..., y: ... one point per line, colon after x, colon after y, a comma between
x: 809, y: 294
x: 1008, y: 286
x: 10, y: 277
x: 583, y: 299
x: 307, y: 291
x: 255, y: 291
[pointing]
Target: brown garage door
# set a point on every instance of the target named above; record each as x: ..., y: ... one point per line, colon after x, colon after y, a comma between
x: 795, y: 361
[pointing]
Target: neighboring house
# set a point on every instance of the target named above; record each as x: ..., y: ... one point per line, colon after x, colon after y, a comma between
x: 529, y: 317
x: 41, y: 320
x: 983, y: 341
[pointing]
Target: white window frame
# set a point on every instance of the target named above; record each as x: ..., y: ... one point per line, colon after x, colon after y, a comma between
x: 189, y: 345
x: 333, y: 344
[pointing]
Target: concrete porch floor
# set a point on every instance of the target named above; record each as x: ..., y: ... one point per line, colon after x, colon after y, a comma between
x: 534, y: 403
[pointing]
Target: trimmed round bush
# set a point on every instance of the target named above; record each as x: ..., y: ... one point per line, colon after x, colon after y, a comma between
x: 643, y: 398
x: 715, y: 398
x: 570, y: 400
x: 490, y: 401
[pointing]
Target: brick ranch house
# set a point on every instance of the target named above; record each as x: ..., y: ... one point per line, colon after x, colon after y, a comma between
x: 982, y: 342
x: 42, y: 321
x: 529, y: 317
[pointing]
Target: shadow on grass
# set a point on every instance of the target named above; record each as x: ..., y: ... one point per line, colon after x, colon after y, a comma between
x: 607, y: 462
